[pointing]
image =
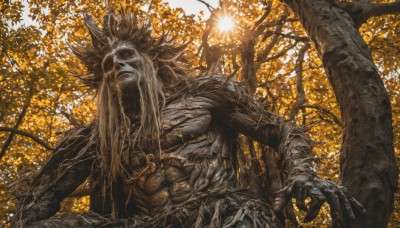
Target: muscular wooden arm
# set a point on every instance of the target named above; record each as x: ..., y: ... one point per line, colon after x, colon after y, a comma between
x: 68, y: 167
x: 232, y: 104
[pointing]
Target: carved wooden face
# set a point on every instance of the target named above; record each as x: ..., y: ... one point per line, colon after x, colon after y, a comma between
x: 124, y: 64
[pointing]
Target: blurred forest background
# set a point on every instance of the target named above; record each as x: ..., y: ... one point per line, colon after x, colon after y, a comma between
x: 40, y: 98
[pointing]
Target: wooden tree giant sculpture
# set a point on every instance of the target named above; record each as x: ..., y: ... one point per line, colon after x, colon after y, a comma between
x: 163, y: 147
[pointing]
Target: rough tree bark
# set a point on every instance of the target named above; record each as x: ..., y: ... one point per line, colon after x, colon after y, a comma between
x: 247, y: 53
x: 368, y: 166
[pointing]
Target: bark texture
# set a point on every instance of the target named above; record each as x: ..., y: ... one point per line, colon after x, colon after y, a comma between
x: 368, y: 167
x: 198, y: 157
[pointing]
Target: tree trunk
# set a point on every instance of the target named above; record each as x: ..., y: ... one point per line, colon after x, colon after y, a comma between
x: 247, y: 53
x: 368, y: 166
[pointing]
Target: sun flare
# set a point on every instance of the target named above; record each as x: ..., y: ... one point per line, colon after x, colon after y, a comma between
x: 225, y: 24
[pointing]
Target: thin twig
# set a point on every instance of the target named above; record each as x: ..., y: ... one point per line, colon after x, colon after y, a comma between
x: 29, y: 135
x: 209, y: 7
x: 325, y: 111
x: 278, y: 55
x: 21, y: 116
x: 262, y: 55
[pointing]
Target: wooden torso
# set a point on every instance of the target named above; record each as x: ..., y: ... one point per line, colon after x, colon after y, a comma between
x: 196, y: 156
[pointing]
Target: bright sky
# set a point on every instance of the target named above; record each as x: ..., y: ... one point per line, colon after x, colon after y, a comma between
x: 190, y: 7
x: 193, y: 6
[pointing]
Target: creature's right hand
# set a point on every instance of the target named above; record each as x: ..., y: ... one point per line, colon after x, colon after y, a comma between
x: 342, y: 204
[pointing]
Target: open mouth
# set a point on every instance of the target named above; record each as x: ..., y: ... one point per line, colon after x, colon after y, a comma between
x: 124, y: 74
x: 126, y: 81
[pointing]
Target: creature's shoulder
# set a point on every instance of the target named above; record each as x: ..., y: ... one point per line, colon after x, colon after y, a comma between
x: 77, y: 135
x: 214, y: 81
x: 209, y: 86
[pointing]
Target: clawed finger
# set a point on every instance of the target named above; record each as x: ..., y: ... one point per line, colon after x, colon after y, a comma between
x: 317, y: 200
x: 336, y: 210
x: 342, y: 206
x: 356, y: 206
x: 300, y: 194
x: 346, y: 206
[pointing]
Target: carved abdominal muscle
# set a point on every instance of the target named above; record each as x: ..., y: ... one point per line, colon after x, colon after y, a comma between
x: 195, y: 157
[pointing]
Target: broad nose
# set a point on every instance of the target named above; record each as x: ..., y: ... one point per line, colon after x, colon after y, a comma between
x: 118, y: 62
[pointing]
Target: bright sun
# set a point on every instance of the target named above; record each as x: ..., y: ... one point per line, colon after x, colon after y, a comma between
x: 225, y: 24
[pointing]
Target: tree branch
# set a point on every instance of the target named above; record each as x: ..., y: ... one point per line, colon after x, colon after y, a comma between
x: 266, y: 51
x: 19, y: 120
x: 361, y: 11
x: 27, y: 134
x: 278, y: 55
x: 325, y: 111
x: 209, y: 7
x: 72, y: 119
x: 301, y: 98
x: 11, y: 60
x: 380, y: 9
x: 24, y: 109
x: 80, y: 192
x: 267, y: 11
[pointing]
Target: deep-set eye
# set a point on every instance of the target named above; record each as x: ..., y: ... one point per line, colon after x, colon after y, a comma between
x: 107, y: 65
x: 125, y: 54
